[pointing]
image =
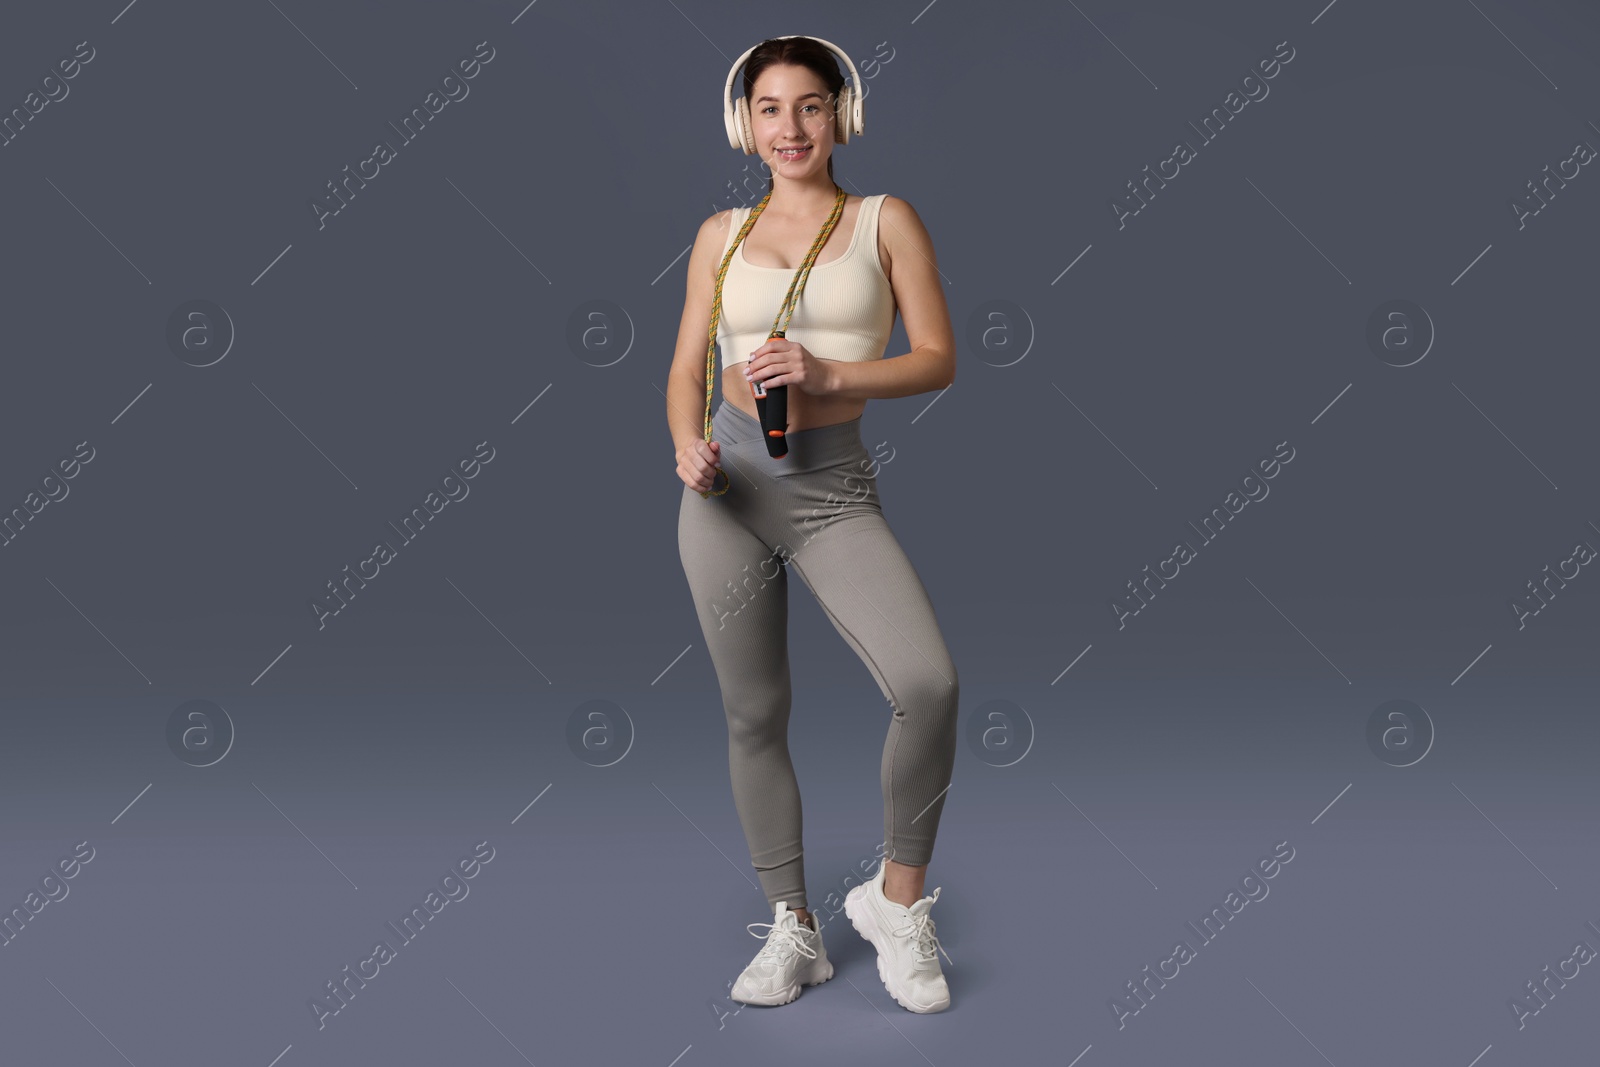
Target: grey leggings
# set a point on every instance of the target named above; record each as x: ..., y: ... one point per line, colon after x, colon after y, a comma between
x: 815, y: 512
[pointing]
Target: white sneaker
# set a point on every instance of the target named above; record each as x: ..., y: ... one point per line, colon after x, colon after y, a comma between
x: 908, y: 949
x: 792, y: 957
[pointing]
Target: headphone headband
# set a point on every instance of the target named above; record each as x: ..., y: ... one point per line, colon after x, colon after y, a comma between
x: 848, y: 109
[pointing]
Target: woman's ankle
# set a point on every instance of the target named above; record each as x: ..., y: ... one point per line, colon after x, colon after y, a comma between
x: 904, y: 880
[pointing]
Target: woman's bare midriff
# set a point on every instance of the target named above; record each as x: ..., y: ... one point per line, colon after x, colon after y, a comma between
x: 805, y: 411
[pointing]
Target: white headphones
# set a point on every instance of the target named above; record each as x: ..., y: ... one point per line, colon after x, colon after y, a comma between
x: 846, y: 113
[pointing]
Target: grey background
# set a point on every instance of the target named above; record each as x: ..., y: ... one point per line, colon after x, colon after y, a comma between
x: 438, y: 310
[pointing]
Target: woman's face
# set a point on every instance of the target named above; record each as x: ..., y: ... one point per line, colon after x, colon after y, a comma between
x: 789, y: 106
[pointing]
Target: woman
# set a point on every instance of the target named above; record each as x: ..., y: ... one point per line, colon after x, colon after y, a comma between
x: 815, y: 510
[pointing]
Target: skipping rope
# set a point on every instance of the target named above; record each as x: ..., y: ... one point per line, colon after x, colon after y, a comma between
x: 778, y: 411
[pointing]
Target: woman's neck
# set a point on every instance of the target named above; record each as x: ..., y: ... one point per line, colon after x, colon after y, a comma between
x: 803, y: 199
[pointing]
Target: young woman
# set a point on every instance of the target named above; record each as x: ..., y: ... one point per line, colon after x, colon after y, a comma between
x: 815, y: 510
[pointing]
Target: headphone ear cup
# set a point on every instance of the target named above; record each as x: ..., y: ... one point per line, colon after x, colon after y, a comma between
x: 746, y: 135
x: 730, y: 122
x: 843, y: 114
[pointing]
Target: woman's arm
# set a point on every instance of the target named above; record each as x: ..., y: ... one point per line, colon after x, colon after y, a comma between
x: 914, y: 277
x: 686, y: 381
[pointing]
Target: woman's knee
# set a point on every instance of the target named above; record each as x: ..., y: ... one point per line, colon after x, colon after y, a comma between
x: 933, y: 695
x: 756, y: 718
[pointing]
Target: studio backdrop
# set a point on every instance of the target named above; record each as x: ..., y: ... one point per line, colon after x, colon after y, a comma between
x: 357, y: 708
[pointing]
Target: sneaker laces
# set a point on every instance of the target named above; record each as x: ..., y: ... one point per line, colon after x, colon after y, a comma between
x: 920, y: 929
x: 782, y: 940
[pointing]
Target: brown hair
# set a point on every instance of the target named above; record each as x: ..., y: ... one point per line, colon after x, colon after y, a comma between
x: 798, y: 52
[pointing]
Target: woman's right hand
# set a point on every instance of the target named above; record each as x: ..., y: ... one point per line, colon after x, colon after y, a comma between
x: 697, y: 464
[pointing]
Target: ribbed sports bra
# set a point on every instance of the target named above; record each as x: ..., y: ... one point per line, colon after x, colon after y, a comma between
x: 845, y: 312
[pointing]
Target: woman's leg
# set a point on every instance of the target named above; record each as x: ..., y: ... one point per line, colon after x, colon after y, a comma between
x: 854, y: 565
x: 741, y: 597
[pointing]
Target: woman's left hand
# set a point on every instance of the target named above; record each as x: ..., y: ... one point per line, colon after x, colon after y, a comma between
x: 781, y: 361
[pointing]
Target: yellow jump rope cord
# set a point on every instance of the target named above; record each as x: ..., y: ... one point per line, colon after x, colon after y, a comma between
x: 779, y: 324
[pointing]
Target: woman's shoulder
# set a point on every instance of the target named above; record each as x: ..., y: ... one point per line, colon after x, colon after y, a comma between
x: 900, y: 215
x: 900, y: 228
x: 718, y: 225
x: 721, y: 223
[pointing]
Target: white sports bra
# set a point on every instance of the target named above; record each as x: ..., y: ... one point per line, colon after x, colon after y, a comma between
x: 845, y: 312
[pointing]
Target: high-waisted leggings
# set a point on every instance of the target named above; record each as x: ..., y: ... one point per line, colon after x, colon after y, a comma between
x: 816, y: 512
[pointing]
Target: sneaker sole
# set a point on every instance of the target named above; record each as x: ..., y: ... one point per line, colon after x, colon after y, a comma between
x: 866, y: 924
x: 786, y: 996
